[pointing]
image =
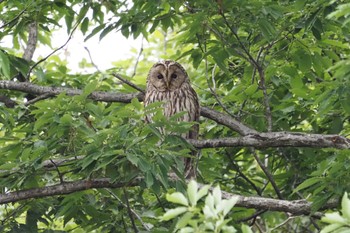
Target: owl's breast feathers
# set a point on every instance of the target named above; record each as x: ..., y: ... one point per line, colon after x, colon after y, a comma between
x: 184, y: 99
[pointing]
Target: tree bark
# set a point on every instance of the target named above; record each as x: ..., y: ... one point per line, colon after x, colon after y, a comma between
x: 296, y: 207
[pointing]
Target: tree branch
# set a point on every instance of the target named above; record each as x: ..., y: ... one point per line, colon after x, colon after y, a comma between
x: 32, y: 41
x: 250, y: 138
x: 277, y: 139
x: 129, y: 83
x: 60, y: 189
x: 41, y: 90
x: 294, y: 207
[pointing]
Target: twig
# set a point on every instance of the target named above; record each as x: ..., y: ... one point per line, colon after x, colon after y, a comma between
x: 238, y: 170
x: 58, y: 171
x: 259, y: 68
x: 283, y: 223
x: 91, y: 60
x: 54, y: 51
x: 128, y: 83
x: 132, y: 211
x: 266, y: 100
x: 14, y: 19
x: 36, y: 99
x: 129, y: 211
x: 137, y: 59
x: 213, y: 89
x: 267, y: 173
x: 250, y: 57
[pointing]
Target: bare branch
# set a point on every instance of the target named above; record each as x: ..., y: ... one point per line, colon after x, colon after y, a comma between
x: 294, y: 207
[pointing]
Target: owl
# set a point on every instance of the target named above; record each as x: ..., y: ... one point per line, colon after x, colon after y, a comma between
x: 168, y: 82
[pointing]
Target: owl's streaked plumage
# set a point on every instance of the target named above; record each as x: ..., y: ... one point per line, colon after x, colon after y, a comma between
x: 168, y: 82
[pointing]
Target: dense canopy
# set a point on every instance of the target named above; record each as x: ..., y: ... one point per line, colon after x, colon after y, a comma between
x: 273, y: 80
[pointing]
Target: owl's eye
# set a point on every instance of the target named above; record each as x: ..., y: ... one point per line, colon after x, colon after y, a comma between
x: 160, y: 76
x: 173, y: 76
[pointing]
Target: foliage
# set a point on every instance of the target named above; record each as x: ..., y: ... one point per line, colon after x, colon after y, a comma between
x: 273, y: 65
x: 210, y: 217
x: 337, y: 222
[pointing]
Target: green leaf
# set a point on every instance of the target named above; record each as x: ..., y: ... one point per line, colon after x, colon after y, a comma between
x: 267, y: 29
x: 217, y: 195
x: 345, y: 204
x: 184, y: 220
x: 334, y: 218
x: 246, y: 229
x: 331, y: 228
x: 192, y: 188
x: 82, y: 13
x: 303, y: 60
x: 307, y: 183
x: 203, y: 191
x: 133, y: 159
x: 172, y: 213
x: 229, y: 204
x: 251, y: 89
x: 66, y: 119
x: 178, y: 198
x: 95, y: 31
x: 90, y: 87
x: 5, y: 64
x: 149, y: 179
x: 84, y: 25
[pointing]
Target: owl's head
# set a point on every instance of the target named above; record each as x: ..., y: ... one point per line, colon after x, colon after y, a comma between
x: 167, y: 76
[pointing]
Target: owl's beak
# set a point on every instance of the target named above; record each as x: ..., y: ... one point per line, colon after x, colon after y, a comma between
x: 167, y: 83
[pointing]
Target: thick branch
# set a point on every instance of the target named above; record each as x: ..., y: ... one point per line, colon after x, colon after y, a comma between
x: 294, y: 207
x: 41, y: 90
x: 59, y: 189
x: 277, y: 139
